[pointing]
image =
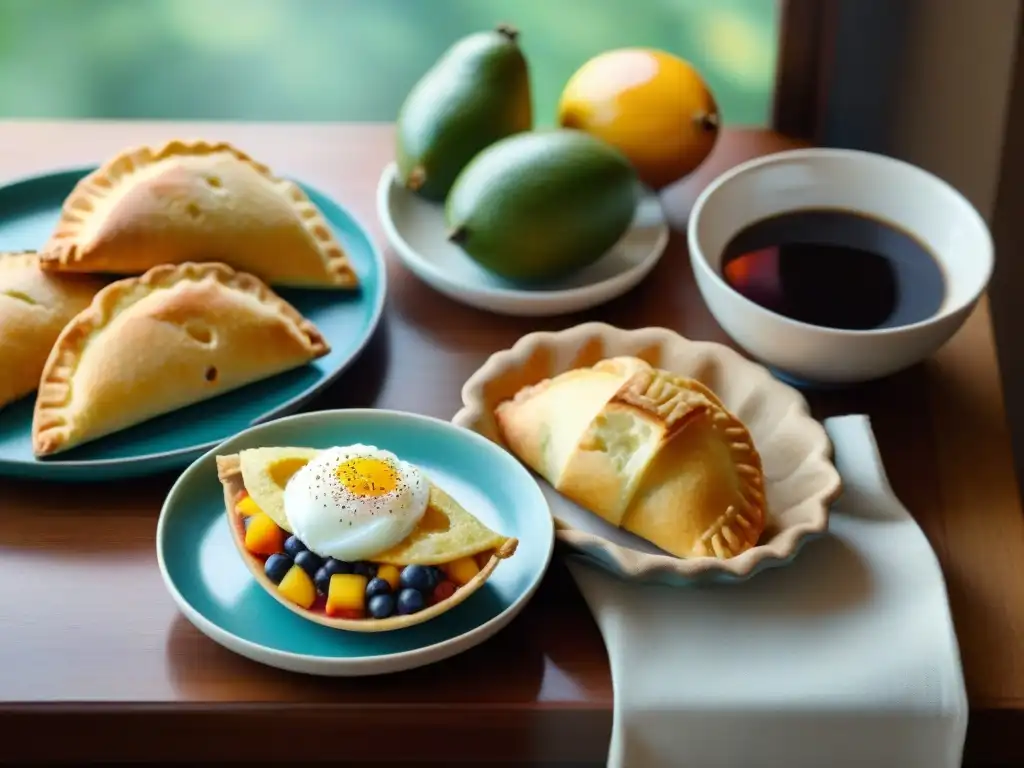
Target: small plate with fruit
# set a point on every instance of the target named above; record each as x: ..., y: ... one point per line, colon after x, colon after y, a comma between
x: 353, y: 542
x: 491, y: 266
x: 492, y: 212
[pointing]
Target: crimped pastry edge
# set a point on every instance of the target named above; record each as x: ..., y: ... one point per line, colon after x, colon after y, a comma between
x: 49, y: 426
x: 563, y: 347
x: 672, y: 399
x: 62, y: 248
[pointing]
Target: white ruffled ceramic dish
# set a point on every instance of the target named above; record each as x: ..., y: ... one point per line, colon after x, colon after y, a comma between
x: 417, y: 232
x: 800, y: 479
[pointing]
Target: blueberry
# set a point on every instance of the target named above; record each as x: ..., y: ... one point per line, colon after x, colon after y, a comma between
x: 309, y: 562
x: 410, y: 601
x: 339, y: 566
x: 277, y: 566
x: 377, y: 587
x: 328, y: 569
x: 381, y: 606
x: 438, y: 574
x: 292, y: 545
x: 418, y: 577
x: 369, y: 570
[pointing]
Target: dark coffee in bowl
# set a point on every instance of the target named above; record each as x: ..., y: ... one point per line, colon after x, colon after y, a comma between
x: 836, y: 269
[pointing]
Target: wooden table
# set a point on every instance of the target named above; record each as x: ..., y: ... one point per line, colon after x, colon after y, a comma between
x: 96, y: 662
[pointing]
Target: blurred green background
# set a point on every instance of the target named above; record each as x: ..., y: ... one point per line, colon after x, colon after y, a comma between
x: 344, y: 59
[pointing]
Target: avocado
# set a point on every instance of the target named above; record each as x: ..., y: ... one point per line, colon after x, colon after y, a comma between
x: 538, y: 206
x: 476, y: 93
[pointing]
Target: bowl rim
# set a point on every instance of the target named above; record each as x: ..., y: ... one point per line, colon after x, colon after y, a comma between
x: 700, y: 261
x: 302, y: 661
x: 641, y: 565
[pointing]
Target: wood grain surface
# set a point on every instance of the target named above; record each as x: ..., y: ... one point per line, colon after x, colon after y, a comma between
x: 98, y: 664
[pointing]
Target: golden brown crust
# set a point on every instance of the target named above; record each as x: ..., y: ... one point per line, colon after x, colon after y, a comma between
x: 209, y: 303
x: 663, y: 397
x: 662, y: 458
x: 569, y: 402
x: 80, y: 243
x: 34, y: 307
x: 230, y: 475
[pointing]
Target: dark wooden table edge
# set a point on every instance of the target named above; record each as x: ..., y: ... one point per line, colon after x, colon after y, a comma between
x: 514, y: 734
x: 102, y: 732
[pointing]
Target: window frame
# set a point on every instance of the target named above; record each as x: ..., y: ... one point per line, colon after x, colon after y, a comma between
x: 807, y: 35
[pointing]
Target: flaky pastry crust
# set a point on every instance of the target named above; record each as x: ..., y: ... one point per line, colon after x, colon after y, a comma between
x: 151, y: 344
x: 647, y: 450
x: 34, y: 307
x: 196, y: 201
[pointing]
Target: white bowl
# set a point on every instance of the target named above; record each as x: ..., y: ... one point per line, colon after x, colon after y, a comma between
x: 881, y: 187
x: 417, y: 232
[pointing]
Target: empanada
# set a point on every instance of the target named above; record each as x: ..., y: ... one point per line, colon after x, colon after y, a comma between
x: 196, y: 201
x: 151, y: 344
x: 650, y: 452
x: 34, y: 307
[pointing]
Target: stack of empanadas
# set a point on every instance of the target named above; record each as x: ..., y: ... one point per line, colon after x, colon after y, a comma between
x: 651, y: 452
x: 34, y: 307
x: 203, y: 230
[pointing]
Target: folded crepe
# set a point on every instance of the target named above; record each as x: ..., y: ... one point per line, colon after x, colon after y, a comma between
x: 446, y: 533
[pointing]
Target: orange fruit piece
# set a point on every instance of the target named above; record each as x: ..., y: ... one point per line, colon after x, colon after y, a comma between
x: 653, y: 106
x: 263, y: 537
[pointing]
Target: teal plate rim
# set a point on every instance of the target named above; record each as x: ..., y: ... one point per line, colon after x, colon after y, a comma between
x: 57, y: 468
x: 341, y: 665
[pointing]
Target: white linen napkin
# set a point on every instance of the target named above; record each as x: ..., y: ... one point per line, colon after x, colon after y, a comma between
x: 846, y: 657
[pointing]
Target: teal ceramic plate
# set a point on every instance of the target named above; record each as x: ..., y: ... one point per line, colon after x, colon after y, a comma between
x: 216, y: 592
x: 28, y: 212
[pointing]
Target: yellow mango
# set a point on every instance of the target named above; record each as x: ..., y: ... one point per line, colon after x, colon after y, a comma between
x: 346, y: 593
x: 298, y: 587
x: 462, y: 571
x: 390, y: 574
x: 247, y: 507
x: 263, y: 537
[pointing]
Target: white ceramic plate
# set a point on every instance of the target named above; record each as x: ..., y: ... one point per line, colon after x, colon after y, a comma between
x: 800, y: 480
x: 416, y: 230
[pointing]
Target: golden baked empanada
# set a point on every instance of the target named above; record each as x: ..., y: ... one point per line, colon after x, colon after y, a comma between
x: 201, y: 202
x: 34, y: 307
x: 148, y: 345
x: 650, y: 452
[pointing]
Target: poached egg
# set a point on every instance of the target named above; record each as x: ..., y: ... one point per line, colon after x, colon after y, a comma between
x: 353, y: 502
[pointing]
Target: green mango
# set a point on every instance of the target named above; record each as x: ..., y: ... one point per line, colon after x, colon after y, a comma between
x: 538, y: 206
x: 476, y: 93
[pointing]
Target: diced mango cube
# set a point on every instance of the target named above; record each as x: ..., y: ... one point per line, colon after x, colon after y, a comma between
x: 247, y: 507
x: 390, y: 574
x: 346, y: 593
x: 298, y: 587
x: 462, y: 571
x: 263, y: 537
x: 483, y: 558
